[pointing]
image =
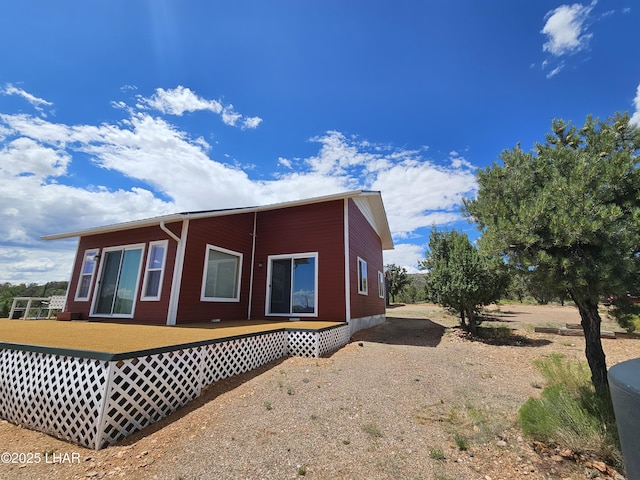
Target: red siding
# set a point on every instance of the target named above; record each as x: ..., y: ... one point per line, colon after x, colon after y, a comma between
x: 147, y: 311
x: 233, y: 232
x: 304, y: 229
x: 316, y: 228
x: 365, y: 243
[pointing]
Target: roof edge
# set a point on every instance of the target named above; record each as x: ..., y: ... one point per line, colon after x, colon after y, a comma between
x: 177, y: 217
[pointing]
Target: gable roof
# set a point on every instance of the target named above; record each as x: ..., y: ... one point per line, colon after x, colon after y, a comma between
x: 369, y: 203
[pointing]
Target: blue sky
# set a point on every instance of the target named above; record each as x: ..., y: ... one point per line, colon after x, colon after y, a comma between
x: 120, y: 110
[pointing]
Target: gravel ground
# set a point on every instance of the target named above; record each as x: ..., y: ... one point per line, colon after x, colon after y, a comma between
x: 394, y: 403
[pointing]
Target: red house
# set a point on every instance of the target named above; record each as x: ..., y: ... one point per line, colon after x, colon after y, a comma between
x: 313, y: 259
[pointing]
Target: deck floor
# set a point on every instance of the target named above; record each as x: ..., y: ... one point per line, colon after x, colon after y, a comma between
x: 121, y: 338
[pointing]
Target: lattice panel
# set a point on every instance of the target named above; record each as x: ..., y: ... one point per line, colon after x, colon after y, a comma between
x: 59, y: 395
x: 333, y: 339
x: 145, y: 389
x: 302, y: 344
x: 233, y: 357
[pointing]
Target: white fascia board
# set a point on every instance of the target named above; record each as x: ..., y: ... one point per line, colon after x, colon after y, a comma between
x: 380, y: 217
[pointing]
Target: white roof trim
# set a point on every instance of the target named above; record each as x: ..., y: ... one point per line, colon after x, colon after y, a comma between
x: 380, y: 223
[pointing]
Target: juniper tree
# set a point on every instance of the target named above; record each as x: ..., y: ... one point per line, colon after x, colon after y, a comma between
x: 571, y: 208
x: 398, y: 279
x: 459, y: 276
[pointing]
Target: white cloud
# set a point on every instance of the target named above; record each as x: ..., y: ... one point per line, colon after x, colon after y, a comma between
x: 51, y: 176
x: 177, y: 101
x: 555, y: 71
x: 25, y: 157
x: 565, y: 29
x: 38, y: 103
x: 31, y: 265
x: 284, y: 162
x: 406, y: 255
x: 635, y: 118
x: 251, y: 122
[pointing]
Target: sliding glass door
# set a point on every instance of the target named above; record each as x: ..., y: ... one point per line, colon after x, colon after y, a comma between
x: 293, y: 283
x: 118, y: 284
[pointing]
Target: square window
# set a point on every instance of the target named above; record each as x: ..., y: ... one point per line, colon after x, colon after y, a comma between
x: 221, y: 280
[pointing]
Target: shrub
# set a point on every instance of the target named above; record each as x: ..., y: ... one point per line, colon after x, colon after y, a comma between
x: 436, y: 453
x: 570, y: 413
x: 461, y: 441
x: 626, y: 312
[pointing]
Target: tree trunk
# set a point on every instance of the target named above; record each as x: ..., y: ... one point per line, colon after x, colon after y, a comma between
x: 473, y: 328
x: 462, y: 321
x: 593, y: 345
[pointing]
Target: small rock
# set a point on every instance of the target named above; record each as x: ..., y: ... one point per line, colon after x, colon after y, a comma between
x: 91, y: 474
x: 591, y: 473
x: 566, y: 453
x: 501, y: 443
x: 600, y: 466
x: 557, y: 458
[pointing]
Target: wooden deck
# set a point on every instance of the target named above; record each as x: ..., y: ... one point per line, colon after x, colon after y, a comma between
x: 115, y: 338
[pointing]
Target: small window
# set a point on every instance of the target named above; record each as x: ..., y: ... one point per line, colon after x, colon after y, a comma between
x: 221, y: 279
x: 362, y: 277
x: 86, y: 274
x: 155, y: 270
x: 381, y: 284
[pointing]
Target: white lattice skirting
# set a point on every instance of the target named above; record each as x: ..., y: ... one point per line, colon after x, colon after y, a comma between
x: 95, y: 402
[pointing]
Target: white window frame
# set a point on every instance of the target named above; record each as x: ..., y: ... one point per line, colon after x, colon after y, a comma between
x: 291, y: 256
x: 203, y: 297
x: 363, y: 283
x: 381, y: 284
x: 95, y: 252
x: 148, y: 269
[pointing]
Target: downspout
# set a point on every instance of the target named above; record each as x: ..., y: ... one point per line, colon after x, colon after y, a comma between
x: 253, y: 254
x: 347, y: 261
x: 164, y: 228
x: 176, y: 279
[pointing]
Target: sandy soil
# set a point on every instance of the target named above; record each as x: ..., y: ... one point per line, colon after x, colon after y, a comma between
x: 391, y: 404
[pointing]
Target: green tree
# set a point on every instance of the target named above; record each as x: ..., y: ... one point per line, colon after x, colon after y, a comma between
x: 460, y: 277
x: 398, y: 279
x: 571, y: 209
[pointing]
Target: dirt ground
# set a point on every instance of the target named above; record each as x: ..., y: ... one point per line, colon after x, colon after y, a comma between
x: 395, y: 403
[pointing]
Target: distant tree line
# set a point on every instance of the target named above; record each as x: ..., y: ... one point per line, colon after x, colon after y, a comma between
x: 8, y: 291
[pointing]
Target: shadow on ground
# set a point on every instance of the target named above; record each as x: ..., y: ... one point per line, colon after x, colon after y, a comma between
x: 504, y: 316
x: 419, y: 332
x: 501, y: 336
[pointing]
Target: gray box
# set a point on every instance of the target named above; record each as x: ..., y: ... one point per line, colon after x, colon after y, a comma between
x: 624, y: 383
